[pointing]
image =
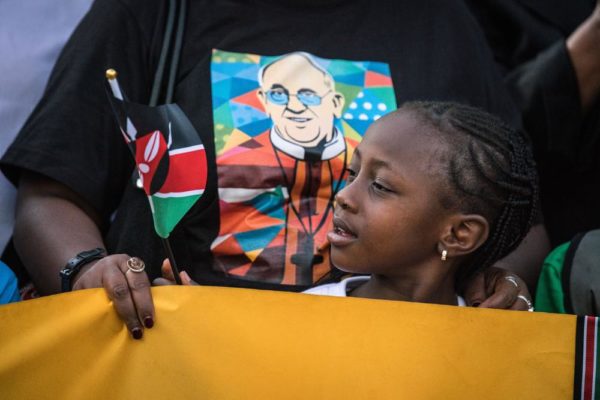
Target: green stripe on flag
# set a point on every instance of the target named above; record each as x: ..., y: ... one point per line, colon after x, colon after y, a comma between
x: 168, y: 211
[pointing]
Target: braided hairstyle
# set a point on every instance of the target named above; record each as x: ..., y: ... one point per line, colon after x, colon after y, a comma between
x: 488, y: 170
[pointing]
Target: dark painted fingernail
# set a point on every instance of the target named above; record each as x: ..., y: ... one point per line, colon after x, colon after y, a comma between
x: 476, y: 304
x: 148, y: 322
x: 137, y: 333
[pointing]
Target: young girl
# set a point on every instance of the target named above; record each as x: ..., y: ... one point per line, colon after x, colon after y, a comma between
x: 436, y: 191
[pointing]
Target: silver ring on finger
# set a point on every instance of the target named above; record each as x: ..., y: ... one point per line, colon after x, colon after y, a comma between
x: 527, y: 301
x: 136, y: 265
x: 512, y: 279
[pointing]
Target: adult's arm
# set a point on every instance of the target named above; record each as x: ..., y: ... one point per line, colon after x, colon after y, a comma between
x: 556, y: 88
x: 52, y: 225
x: 583, y: 46
x: 491, y: 289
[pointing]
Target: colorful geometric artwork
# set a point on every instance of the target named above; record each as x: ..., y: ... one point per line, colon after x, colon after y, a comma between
x: 285, y: 128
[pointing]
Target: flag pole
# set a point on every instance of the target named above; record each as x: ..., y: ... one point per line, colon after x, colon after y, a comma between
x: 111, y: 76
x: 171, y: 257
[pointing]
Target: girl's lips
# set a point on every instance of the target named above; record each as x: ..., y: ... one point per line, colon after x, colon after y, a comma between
x: 341, y: 235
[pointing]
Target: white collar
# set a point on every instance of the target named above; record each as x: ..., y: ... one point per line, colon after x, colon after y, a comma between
x: 352, y: 282
x: 331, y: 149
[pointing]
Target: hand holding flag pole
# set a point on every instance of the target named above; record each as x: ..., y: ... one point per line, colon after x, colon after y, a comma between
x: 111, y: 76
x: 169, y: 156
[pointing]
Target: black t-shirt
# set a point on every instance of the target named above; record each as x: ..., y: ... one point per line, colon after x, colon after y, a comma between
x: 432, y: 50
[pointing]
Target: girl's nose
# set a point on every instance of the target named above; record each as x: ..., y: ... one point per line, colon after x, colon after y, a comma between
x: 341, y: 202
x: 342, y: 199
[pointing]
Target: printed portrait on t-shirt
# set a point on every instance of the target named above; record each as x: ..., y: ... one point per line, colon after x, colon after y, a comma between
x: 285, y: 128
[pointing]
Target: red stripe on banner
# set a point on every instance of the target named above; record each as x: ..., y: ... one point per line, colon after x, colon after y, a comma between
x: 187, y: 171
x: 590, y: 358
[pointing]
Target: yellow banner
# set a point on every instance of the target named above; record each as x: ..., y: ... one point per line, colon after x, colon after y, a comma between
x: 224, y: 343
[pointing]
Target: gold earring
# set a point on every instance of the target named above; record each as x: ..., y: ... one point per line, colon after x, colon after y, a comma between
x: 444, y: 255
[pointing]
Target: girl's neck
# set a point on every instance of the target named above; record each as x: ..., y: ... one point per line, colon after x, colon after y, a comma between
x: 437, y: 289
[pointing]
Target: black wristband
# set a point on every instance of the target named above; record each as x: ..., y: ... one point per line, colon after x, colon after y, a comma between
x: 75, y: 264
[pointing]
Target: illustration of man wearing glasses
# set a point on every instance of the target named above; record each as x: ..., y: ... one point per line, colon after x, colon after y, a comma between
x: 290, y: 172
x: 300, y: 97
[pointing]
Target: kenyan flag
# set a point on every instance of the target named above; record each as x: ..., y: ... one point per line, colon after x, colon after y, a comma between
x: 169, y: 155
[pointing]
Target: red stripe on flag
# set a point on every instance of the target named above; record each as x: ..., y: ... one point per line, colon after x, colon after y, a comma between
x: 590, y: 357
x: 187, y: 171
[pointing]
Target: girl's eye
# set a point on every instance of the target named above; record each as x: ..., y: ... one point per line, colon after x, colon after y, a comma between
x: 379, y: 187
x: 351, y: 174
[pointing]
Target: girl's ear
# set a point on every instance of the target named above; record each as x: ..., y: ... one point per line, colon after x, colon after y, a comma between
x: 464, y: 235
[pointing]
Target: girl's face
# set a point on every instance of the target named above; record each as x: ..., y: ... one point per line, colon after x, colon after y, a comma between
x: 388, y: 219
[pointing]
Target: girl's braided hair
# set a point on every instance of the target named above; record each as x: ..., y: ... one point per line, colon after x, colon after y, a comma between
x: 489, y: 171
